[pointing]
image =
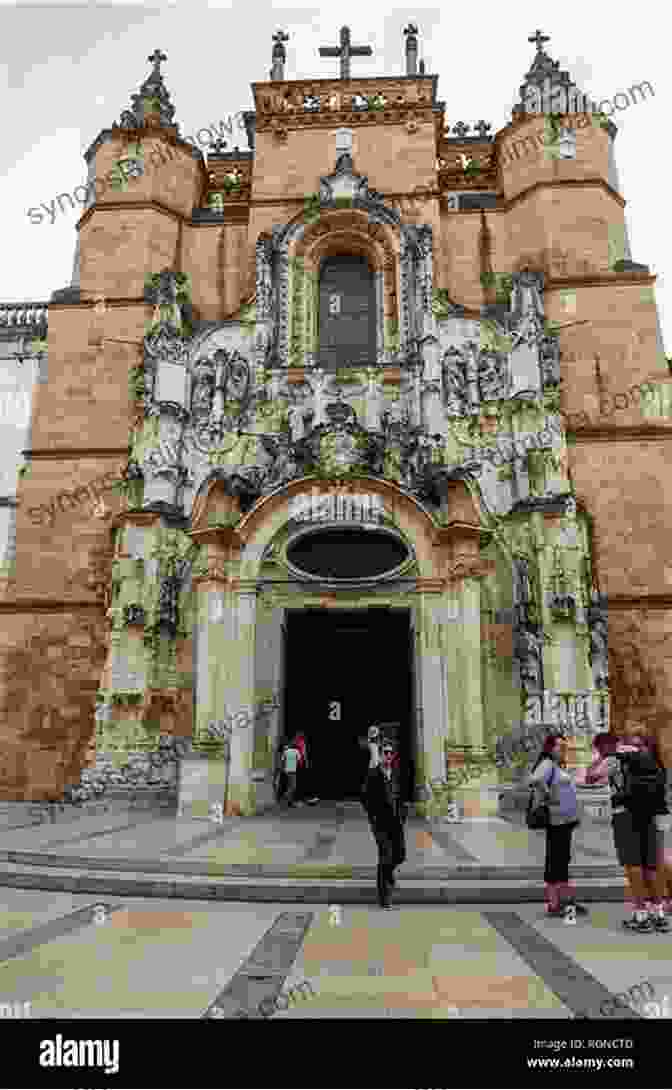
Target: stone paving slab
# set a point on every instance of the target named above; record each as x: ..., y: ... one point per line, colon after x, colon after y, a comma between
x: 449, y: 962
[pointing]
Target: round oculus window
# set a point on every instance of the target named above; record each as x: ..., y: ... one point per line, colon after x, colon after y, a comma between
x: 347, y: 554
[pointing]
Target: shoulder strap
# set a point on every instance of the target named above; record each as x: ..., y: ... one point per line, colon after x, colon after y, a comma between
x: 548, y: 784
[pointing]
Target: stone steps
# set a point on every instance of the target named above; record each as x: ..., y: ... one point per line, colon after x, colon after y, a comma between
x: 292, y: 890
x: 432, y: 872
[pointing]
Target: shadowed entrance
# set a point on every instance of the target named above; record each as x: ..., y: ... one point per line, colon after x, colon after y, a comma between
x: 344, y: 671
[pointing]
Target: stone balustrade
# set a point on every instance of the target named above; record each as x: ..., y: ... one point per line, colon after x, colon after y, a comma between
x: 577, y: 712
x: 24, y: 316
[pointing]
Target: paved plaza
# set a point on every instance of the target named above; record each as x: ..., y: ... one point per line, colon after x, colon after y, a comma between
x: 276, y: 917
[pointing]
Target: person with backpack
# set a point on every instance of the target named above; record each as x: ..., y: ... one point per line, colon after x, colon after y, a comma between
x: 552, y: 787
x: 637, y: 784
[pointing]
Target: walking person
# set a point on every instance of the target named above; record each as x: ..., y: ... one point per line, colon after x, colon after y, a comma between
x: 290, y: 764
x: 385, y: 797
x: 638, y: 803
x: 552, y: 784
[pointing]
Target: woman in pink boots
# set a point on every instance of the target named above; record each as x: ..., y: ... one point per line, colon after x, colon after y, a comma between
x: 554, y: 785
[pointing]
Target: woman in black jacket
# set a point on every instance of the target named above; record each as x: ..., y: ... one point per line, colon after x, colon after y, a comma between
x: 386, y: 797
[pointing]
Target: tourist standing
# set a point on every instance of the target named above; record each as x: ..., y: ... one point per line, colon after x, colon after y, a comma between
x: 637, y: 784
x: 385, y: 797
x: 290, y: 764
x: 554, y: 785
x: 597, y: 773
x: 304, y: 772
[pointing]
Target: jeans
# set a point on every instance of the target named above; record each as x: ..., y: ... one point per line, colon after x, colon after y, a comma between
x: 291, y: 788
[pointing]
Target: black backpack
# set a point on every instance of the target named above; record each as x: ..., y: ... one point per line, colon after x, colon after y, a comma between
x: 644, y: 783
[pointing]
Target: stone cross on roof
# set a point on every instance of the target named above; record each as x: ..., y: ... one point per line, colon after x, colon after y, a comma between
x: 345, y: 51
x: 156, y: 58
x: 539, y: 38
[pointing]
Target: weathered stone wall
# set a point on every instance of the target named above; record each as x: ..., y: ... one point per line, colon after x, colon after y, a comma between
x: 50, y: 669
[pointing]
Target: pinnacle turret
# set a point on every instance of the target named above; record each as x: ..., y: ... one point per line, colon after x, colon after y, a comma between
x: 547, y: 89
x: 151, y: 97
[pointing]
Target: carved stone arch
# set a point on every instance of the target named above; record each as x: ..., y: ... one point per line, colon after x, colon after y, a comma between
x: 269, y: 516
x: 341, y: 231
x: 356, y: 239
x: 376, y: 233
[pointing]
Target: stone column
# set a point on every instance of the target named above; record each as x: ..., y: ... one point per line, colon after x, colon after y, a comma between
x: 267, y: 724
x: 431, y: 678
x: 372, y: 421
x: 460, y: 561
x: 237, y: 692
x: 204, y: 770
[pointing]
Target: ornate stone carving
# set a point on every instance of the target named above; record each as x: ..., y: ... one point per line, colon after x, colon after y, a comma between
x: 524, y: 597
x: 549, y: 358
x: 134, y: 614
x: 152, y: 98
x: 599, y: 641
x: 203, y: 390
x: 493, y: 376
x: 528, y: 651
x: 454, y: 382
x: 168, y: 345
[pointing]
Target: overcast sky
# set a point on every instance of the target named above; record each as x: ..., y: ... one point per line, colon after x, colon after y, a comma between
x: 67, y: 72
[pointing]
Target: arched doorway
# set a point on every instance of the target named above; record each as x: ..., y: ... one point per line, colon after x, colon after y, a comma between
x: 347, y: 317
x: 344, y: 670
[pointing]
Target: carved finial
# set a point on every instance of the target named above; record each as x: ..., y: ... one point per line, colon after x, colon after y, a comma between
x: 539, y: 38
x: 411, y: 33
x: 156, y: 58
x: 152, y: 97
x: 279, y: 56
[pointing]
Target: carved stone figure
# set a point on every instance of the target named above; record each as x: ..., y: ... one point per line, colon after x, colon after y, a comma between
x: 232, y: 375
x: 528, y: 652
x: 264, y: 278
x: 282, y: 463
x: 454, y: 382
x: 168, y: 603
x: 202, y: 391
x: 523, y: 589
x: 492, y: 376
x: 549, y: 357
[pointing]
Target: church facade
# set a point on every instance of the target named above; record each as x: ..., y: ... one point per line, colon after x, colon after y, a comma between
x: 300, y: 454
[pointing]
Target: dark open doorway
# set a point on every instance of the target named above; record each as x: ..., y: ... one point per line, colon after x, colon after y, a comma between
x: 344, y: 671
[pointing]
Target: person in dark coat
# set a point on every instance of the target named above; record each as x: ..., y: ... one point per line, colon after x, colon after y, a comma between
x: 386, y: 796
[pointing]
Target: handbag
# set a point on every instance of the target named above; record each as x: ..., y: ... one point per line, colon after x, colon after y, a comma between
x: 538, y: 817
